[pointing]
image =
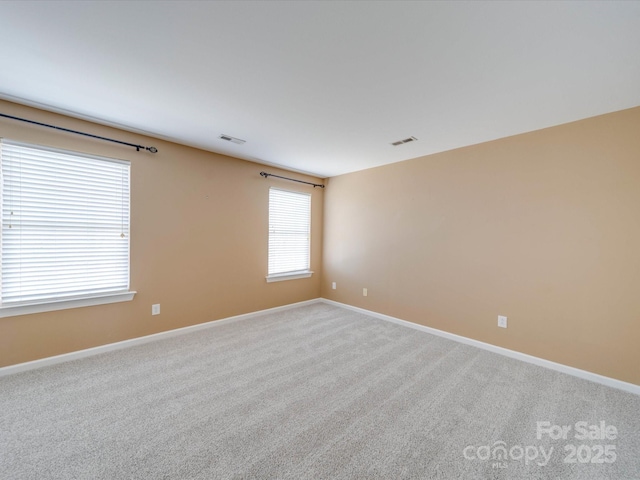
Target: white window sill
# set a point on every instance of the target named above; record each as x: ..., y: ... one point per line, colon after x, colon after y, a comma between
x: 51, y: 305
x: 279, y: 277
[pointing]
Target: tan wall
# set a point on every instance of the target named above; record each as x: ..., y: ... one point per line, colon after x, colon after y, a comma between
x: 198, y: 242
x: 542, y: 227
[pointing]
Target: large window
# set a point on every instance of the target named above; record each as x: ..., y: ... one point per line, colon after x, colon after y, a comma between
x: 65, y: 229
x: 289, y: 235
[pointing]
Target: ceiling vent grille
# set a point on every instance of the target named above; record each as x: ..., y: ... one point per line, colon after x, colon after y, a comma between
x: 229, y: 138
x: 402, y: 142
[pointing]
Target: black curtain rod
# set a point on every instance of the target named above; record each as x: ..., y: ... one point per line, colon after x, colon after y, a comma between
x: 137, y: 147
x: 265, y: 175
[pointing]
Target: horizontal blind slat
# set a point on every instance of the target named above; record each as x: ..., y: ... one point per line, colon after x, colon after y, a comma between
x: 65, y: 223
x: 289, y: 231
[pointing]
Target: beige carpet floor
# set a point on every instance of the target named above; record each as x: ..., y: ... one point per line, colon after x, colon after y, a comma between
x: 315, y: 392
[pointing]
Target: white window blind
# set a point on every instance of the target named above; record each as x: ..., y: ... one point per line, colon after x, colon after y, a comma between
x: 65, y: 224
x: 289, y: 231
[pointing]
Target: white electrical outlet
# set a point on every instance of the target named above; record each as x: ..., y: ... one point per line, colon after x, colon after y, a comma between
x: 364, y: 292
x: 502, y: 321
x: 333, y: 285
x: 155, y: 309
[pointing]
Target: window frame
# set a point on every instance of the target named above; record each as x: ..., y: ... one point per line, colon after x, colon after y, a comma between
x: 65, y: 301
x: 293, y: 274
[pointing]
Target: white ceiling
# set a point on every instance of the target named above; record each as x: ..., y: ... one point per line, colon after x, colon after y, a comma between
x: 323, y: 87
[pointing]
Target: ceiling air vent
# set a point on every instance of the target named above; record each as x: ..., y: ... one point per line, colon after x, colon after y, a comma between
x: 229, y: 138
x: 406, y: 140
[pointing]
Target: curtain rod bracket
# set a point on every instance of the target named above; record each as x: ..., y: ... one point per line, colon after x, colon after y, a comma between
x: 266, y: 175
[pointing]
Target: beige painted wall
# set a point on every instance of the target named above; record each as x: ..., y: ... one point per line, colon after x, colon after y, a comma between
x: 198, y: 242
x: 542, y: 227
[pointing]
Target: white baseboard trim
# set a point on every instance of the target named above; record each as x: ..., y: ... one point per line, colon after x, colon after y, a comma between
x: 110, y: 347
x: 66, y: 357
x: 541, y: 362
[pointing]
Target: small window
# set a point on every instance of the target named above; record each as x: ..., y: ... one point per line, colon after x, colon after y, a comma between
x: 289, y: 235
x: 65, y: 227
